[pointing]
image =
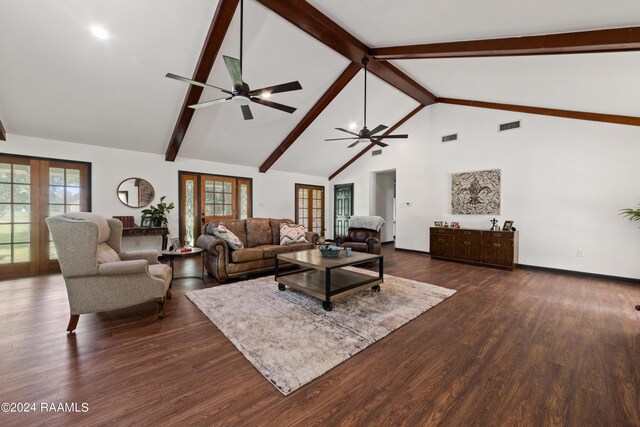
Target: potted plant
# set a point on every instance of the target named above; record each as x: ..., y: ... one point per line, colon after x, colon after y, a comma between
x: 631, y: 214
x: 158, y: 214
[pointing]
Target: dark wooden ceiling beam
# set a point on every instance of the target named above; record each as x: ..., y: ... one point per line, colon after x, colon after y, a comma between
x: 609, y: 40
x: 568, y: 114
x: 370, y: 146
x: 316, y: 24
x: 218, y: 29
x: 3, y: 133
x: 337, y: 86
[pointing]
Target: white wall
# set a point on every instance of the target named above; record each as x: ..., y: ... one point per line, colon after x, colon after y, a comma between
x: 273, y: 192
x: 382, y: 202
x: 563, y: 183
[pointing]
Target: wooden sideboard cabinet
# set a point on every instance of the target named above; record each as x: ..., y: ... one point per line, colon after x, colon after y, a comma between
x: 482, y: 247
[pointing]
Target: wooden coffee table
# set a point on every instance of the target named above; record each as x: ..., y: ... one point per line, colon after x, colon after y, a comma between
x: 325, y: 278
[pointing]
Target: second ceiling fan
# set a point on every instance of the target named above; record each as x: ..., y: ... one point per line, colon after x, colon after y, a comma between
x: 365, y: 133
x: 241, y: 93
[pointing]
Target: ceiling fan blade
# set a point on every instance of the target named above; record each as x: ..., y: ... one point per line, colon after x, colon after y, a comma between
x: 340, y: 139
x: 354, y: 144
x: 284, y: 87
x: 193, y: 82
x: 275, y: 105
x: 392, y: 136
x: 347, y: 131
x: 233, y: 67
x: 377, y: 129
x: 209, y: 103
x: 378, y: 142
x: 246, y: 112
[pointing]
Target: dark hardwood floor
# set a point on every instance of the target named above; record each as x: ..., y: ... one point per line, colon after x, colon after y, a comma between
x: 522, y: 348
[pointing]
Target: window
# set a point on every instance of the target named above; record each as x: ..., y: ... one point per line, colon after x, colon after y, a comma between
x: 205, y: 198
x: 31, y: 190
x: 310, y: 207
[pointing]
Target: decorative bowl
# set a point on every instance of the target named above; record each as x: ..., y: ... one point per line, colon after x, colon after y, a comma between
x: 329, y: 251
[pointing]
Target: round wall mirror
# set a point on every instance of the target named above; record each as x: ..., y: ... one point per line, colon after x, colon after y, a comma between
x: 135, y: 192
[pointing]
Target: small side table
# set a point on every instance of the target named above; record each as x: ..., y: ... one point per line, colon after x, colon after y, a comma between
x: 177, y: 254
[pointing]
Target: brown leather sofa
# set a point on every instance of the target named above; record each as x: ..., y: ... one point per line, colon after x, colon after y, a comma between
x: 261, y: 240
x: 361, y: 240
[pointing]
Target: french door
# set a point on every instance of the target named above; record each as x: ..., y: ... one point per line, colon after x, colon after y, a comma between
x: 310, y: 207
x: 31, y: 190
x: 205, y: 198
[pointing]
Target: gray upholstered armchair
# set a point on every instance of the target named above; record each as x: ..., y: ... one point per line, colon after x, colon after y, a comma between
x: 99, y: 277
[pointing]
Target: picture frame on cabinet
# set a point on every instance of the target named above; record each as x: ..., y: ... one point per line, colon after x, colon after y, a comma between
x: 437, y: 223
x: 507, y: 226
x: 145, y: 221
x: 455, y: 224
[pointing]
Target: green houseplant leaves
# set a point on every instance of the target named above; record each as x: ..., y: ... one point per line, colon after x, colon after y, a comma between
x: 158, y: 214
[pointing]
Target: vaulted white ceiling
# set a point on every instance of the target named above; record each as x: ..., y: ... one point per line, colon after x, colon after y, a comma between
x: 57, y: 81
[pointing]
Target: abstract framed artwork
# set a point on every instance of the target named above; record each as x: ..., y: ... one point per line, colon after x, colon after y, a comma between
x: 476, y: 193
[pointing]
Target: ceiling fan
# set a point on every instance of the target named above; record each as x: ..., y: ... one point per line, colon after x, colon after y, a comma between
x: 241, y: 93
x: 365, y: 133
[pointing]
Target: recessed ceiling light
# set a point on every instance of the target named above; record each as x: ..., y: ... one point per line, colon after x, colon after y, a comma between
x: 266, y: 94
x: 99, y: 32
x: 353, y: 125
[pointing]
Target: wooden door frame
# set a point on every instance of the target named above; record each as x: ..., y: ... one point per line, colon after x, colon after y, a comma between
x: 310, y: 207
x: 197, y: 229
x: 335, y: 199
x: 39, y: 180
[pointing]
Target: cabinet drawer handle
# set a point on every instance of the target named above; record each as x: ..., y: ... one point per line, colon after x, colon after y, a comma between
x: 467, y: 233
x: 497, y: 235
x: 440, y: 240
x: 466, y: 242
x: 496, y: 245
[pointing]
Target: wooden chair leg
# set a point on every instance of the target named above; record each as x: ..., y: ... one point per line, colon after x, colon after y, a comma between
x: 169, y: 293
x: 160, y: 309
x: 73, y: 322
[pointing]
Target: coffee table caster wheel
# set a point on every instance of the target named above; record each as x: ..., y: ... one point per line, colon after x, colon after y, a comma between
x: 375, y: 288
x: 281, y: 286
x: 638, y: 307
x: 328, y: 306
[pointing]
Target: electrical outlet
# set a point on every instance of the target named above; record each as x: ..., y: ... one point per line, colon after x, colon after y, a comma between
x: 580, y: 253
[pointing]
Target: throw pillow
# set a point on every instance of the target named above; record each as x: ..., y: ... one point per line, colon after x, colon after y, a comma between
x: 221, y: 232
x: 292, y: 233
x: 106, y: 254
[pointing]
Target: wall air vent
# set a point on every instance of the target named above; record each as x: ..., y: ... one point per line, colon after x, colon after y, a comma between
x: 509, y: 126
x: 376, y: 152
x: 448, y: 138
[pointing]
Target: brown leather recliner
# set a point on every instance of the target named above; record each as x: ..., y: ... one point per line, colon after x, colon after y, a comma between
x: 361, y: 240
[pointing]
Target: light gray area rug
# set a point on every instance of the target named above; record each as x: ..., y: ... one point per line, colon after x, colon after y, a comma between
x: 292, y: 340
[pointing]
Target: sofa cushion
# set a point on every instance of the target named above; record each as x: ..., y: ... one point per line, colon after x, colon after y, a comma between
x: 106, y: 254
x: 258, y: 232
x: 270, y: 251
x: 292, y: 233
x: 236, y: 226
x: 221, y: 232
x: 247, y: 254
x: 299, y: 246
x: 275, y: 228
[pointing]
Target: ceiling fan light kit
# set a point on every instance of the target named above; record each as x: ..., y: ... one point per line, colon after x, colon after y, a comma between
x: 241, y: 94
x: 365, y: 133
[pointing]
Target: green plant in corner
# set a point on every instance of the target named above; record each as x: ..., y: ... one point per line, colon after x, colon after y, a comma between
x: 158, y: 214
x: 631, y: 214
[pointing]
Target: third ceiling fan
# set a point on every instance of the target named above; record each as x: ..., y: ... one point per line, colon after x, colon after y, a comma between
x: 365, y: 133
